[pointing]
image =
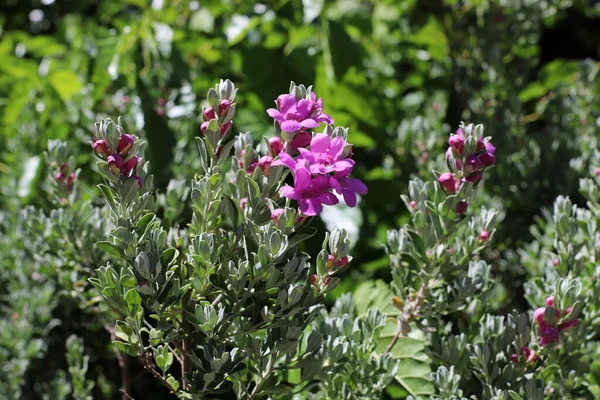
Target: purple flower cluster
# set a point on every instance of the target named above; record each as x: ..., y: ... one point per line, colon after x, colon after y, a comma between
x: 465, y: 167
x: 320, y: 163
x: 295, y: 115
x: 120, y: 160
x: 318, y: 171
x: 549, y: 331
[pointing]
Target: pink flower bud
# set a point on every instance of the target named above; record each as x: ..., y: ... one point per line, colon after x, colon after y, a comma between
x: 130, y: 165
x: 514, y: 358
x: 462, y: 207
x: 276, y: 145
x: 412, y: 204
x: 598, y: 171
x: 538, y: 315
x: 276, y: 214
x: 243, y: 202
x: 457, y: 142
x: 225, y: 128
x: 484, y: 236
x: 115, y: 163
x: 64, y: 168
x: 313, y: 279
x: 101, y: 149
x: 139, y: 180
x: 342, y: 262
x: 224, y: 106
x: 208, y: 113
x: 251, y: 167
x: 568, y: 324
x: 302, y: 139
x: 436, y: 107
x: 330, y: 261
x: 550, y: 301
x: 326, y: 281
x: 125, y: 144
x: 265, y: 164
x: 549, y: 335
x: 204, y: 127
x: 555, y: 262
x: 59, y: 176
x: 448, y: 182
x: 70, y: 181
x: 162, y: 102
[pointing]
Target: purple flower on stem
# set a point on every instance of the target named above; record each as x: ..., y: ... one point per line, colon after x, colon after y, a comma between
x: 115, y: 163
x: 125, y: 144
x: 294, y: 115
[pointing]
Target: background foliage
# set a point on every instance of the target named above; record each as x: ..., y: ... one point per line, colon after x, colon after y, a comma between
x: 400, y: 74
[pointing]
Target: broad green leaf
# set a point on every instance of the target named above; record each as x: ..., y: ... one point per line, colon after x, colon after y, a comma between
x: 109, y: 247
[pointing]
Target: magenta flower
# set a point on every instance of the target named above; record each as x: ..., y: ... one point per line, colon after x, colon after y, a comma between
x: 302, y: 139
x: 264, y: 163
x: 310, y: 193
x: 326, y: 156
x: 457, y: 142
x: 348, y: 188
x: 115, y: 163
x: 130, y: 165
x: 549, y: 335
x: 276, y: 145
x: 294, y: 115
x: 101, y: 148
x: 125, y: 144
x: 448, y: 182
x: 550, y: 331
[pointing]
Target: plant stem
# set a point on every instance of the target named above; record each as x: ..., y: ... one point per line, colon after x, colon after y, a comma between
x: 185, y: 343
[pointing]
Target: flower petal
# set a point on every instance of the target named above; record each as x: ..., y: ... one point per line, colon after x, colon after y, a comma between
x: 320, y: 143
x: 289, y: 192
x: 310, y: 207
x: 285, y: 102
x: 274, y: 113
x: 285, y: 159
x: 356, y: 185
x: 290, y: 126
x: 302, y: 179
x: 349, y: 197
x: 309, y: 123
x: 328, y: 198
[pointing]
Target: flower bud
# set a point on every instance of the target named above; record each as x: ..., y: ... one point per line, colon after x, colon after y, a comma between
x: 398, y: 302
x: 139, y: 180
x: 162, y: 101
x: 250, y: 169
x: 342, y: 262
x: 457, y: 142
x: 224, y: 106
x: 100, y: 147
x: 125, y: 144
x: 412, y: 204
x: 484, y: 236
x: 568, y: 324
x: 330, y: 261
x: 204, y: 127
x: 313, y: 279
x: 265, y: 164
x: 70, y: 181
x: 64, y: 168
x: 276, y: 145
x: 276, y: 214
x: 130, y: 165
x: 550, y: 301
x: 59, y: 176
x: 225, y: 128
x: 115, y: 163
x: 326, y: 281
x: 208, y: 113
x: 448, y: 182
x: 462, y: 207
x: 598, y: 171
x: 538, y: 315
x: 514, y: 358
x: 302, y: 139
x: 243, y: 202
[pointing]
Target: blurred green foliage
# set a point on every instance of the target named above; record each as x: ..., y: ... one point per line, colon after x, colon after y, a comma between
x: 400, y: 74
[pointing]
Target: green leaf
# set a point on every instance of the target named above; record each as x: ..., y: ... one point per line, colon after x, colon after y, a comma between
x: 133, y: 300
x: 109, y: 247
x: 168, y: 256
x: 66, y: 83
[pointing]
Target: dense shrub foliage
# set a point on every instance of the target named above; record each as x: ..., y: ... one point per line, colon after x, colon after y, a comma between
x: 177, y: 220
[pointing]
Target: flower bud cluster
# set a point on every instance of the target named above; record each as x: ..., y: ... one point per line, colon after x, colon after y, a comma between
x: 468, y: 156
x: 550, y: 328
x: 117, y: 152
x: 218, y: 117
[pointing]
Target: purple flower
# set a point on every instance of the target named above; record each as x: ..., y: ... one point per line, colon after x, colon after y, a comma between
x: 115, y: 163
x: 294, y: 115
x: 457, y: 142
x: 549, y: 335
x: 326, y: 156
x: 125, y: 144
x: 310, y: 193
